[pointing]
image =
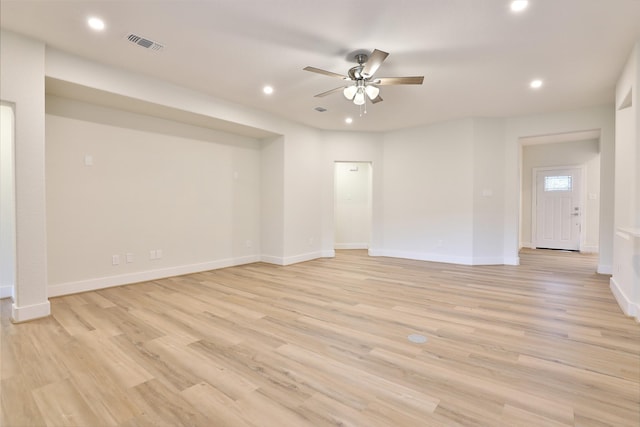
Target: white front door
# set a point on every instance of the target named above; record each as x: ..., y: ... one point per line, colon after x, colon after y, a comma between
x: 558, y: 209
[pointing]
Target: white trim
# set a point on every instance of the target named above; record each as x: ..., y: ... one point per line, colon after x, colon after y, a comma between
x: 528, y: 245
x: 352, y: 246
x: 512, y: 260
x: 270, y: 259
x: 628, y: 307
x: 297, y: 258
x: 487, y: 261
x: 604, y: 269
x: 448, y: 259
x: 590, y: 249
x: 421, y: 256
x: 302, y: 258
x: 583, y: 202
x: 29, y: 312
x: 6, y: 291
x: 328, y: 253
x: 143, y: 276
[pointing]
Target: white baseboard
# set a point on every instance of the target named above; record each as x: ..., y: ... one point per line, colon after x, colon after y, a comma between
x: 351, y: 246
x: 29, y: 312
x: 604, y: 269
x: 511, y: 260
x: 421, y: 256
x: 328, y: 253
x: 528, y: 245
x: 448, y: 259
x: 630, y: 308
x: 270, y: 259
x: 297, y: 258
x: 143, y: 276
x: 590, y: 249
x: 6, y: 291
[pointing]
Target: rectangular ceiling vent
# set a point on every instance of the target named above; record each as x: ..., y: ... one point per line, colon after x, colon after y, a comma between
x: 145, y: 42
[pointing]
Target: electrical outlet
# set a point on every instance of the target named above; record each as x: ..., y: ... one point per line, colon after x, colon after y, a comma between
x: 115, y: 259
x: 158, y: 253
x: 129, y: 258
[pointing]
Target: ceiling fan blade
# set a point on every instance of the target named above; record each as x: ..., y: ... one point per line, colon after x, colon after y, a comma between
x: 329, y: 92
x: 374, y: 62
x: 377, y: 99
x: 415, y: 80
x: 326, y: 73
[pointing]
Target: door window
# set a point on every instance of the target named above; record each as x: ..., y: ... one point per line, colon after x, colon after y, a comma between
x: 557, y: 183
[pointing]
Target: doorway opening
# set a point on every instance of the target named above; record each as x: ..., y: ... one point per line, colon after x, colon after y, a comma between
x: 352, y: 204
x: 560, y: 204
x: 7, y: 201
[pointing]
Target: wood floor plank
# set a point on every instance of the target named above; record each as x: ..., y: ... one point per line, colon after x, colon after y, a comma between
x: 325, y: 342
x: 63, y: 405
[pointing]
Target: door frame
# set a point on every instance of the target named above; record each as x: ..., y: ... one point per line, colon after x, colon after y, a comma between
x: 8, y: 290
x: 582, y: 196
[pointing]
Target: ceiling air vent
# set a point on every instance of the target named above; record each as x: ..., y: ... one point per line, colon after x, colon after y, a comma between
x: 144, y: 42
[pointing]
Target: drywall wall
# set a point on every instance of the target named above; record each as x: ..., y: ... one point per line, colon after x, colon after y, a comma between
x: 575, y: 153
x: 272, y: 225
x: 7, y: 203
x: 595, y: 118
x: 428, y: 193
x: 301, y: 234
x: 352, y: 205
x: 164, y: 198
x: 488, y: 192
x: 22, y: 65
x: 302, y: 206
x: 625, y: 282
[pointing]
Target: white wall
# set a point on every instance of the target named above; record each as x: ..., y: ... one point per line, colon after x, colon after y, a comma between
x: 625, y: 283
x: 488, y: 192
x: 352, y: 205
x: 190, y: 192
x: 7, y: 203
x: 22, y: 65
x: 272, y: 200
x: 601, y: 118
x: 302, y: 204
x: 428, y: 193
x: 575, y: 153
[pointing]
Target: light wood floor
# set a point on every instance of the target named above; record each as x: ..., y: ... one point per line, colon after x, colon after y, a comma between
x: 325, y: 343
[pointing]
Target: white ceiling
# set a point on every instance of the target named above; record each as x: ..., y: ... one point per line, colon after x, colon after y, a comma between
x: 476, y: 55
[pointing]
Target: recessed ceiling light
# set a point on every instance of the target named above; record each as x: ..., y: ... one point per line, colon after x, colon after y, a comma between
x: 519, y: 5
x: 268, y: 90
x: 348, y: 120
x: 536, y: 84
x: 96, y: 23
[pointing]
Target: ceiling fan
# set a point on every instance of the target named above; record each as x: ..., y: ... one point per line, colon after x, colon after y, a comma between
x: 361, y: 83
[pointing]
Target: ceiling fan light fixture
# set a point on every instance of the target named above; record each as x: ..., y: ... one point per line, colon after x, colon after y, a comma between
x: 372, y: 91
x: 359, y: 98
x: 349, y: 92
